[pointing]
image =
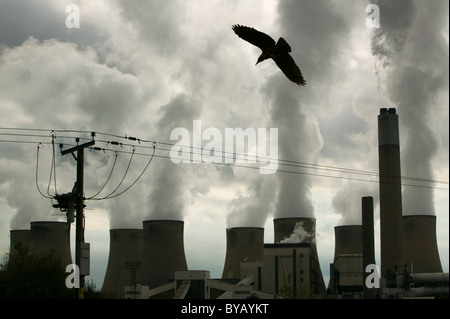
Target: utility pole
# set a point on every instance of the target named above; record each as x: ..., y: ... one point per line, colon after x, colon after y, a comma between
x: 79, y: 205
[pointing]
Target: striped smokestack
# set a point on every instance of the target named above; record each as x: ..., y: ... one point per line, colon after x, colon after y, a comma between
x: 162, y: 251
x: 124, y: 262
x: 391, y: 227
x: 420, y: 245
x: 244, y: 244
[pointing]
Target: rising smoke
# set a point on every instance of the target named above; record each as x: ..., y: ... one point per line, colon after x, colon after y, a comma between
x: 293, y: 108
x: 299, y: 235
x: 252, y: 209
x: 170, y: 192
x: 412, y: 65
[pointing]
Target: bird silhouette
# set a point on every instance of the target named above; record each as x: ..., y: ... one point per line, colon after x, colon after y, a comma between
x: 278, y: 51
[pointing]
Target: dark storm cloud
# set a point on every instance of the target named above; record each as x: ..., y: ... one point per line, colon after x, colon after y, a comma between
x: 69, y: 90
x: 20, y: 19
x: 157, y: 22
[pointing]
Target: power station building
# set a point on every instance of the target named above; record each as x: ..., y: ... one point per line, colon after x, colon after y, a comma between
x: 251, y: 268
x: 151, y: 262
x: 410, y: 263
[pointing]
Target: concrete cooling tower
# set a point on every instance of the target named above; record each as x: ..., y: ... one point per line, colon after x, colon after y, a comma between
x: 162, y: 252
x: 420, y: 246
x: 244, y: 244
x: 290, y: 232
x: 391, y: 223
x: 51, y: 236
x: 346, y: 272
x: 348, y: 240
x: 124, y: 261
x: 22, y: 236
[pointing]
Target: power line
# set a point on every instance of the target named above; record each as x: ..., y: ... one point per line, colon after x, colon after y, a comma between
x: 132, y: 184
x: 228, y: 155
x: 313, y: 166
x: 109, y: 176
x: 37, y: 173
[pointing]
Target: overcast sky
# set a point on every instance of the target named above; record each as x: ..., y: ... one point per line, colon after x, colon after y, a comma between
x: 143, y: 68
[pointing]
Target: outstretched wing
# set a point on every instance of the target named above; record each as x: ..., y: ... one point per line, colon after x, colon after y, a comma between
x: 255, y: 37
x: 287, y: 64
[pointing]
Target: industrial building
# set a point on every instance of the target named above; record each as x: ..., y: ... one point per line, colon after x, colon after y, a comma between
x: 346, y: 271
x: 252, y: 269
x: 410, y: 263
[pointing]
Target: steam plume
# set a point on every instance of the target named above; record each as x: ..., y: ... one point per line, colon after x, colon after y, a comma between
x: 413, y: 68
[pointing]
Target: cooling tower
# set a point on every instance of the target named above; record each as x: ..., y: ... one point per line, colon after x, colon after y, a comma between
x: 22, y: 236
x: 244, y: 244
x: 391, y: 227
x: 420, y: 246
x: 297, y: 230
x: 124, y: 261
x: 162, y: 251
x: 348, y: 240
x: 51, y: 236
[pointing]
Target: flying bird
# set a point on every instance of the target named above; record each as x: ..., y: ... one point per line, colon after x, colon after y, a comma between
x: 278, y: 51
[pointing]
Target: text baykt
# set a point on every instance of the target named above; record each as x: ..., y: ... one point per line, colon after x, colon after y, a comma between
x: 246, y: 308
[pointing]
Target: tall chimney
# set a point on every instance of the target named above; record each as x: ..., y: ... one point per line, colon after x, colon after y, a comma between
x: 162, y: 251
x: 244, y: 244
x: 51, y: 236
x: 124, y: 262
x: 391, y: 234
x: 420, y: 245
x: 368, y: 244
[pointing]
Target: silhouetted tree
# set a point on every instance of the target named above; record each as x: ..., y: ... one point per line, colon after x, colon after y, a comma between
x: 27, y: 276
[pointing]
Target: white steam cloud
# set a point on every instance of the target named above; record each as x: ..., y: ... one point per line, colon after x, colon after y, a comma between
x: 299, y: 235
x: 413, y: 65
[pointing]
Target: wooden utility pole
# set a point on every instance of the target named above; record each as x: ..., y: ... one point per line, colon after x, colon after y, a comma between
x: 79, y: 206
